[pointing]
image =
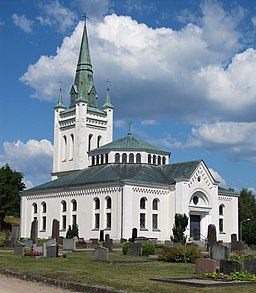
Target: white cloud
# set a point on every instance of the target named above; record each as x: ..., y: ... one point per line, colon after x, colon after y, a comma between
x: 27, y: 183
x: 218, y: 177
x: 120, y: 123
x: 57, y: 15
x: 254, y: 20
x: 23, y: 22
x: 33, y: 158
x: 149, y: 122
x: 237, y: 138
x: 159, y: 70
x: 94, y: 8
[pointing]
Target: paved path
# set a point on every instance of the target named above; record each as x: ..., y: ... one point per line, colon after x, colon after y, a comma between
x: 13, y: 285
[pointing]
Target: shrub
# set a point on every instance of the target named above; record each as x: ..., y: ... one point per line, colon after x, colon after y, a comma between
x: 148, y: 248
x: 125, y: 247
x: 181, y: 254
x: 179, y: 227
x: 72, y: 232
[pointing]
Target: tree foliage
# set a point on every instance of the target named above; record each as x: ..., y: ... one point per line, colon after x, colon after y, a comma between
x: 10, y: 186
x: 247, y: 210
x: 72, y: 231
x: 180, y: 225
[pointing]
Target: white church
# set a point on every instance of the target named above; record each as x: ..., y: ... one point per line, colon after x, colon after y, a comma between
x: 115, y: 186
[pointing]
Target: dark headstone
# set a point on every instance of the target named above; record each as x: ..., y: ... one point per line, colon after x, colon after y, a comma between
x: 229, y: 266
x: 211, y: 235
x: 238, y: 246
x: 250, y: 266
x: 101, y: 235
x: 219, y: 252
x: 206, y: 265
x: 102, y: 254
x: 134, y: 234
x: 52, y: 251
x: 134, y: 249
x: 28, y: 243
x: 107, y: 243
x: 34, y: 231
x: 15, y: 233
x: 141, y: 239
x: 56, y: 229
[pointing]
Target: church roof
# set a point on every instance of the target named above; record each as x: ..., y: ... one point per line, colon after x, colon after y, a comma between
x: 129, y: 142
x: 152, y: 175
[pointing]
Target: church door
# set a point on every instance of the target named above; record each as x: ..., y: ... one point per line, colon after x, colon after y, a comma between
x: 195, y: 226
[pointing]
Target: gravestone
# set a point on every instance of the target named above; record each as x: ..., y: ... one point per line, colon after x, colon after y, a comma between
x: 15, y: 233
x: 69, y: 244
x: 206, y: 265
x: 229, y: 266
x: 237, y: 246
x: 8, y: 244
x: 51, y: 242
x: 52, y: 251
x: 211, y: 235
x: 34, y: 231
x: 107, y: 243
x: 19, y: 249
x: 219, y: 252
x: 141, y: 239
x: 56, y: 229
x: 28, y: 243
x: 134, y: 234
x: 38, y: 248
x: 250, y: 266
x: 168, y: 243
x: 61, y: 240
x: 102, y: 254
x: 101, y: 235
x: 134, y: 249
x: 44, y: 250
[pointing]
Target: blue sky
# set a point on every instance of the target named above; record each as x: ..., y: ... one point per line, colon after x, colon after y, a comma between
x: 183, y: 72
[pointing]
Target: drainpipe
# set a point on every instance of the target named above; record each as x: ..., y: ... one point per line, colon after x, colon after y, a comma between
x: 122, y: 210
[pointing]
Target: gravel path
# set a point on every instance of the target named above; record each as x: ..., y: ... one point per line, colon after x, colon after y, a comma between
x: 13, y: 285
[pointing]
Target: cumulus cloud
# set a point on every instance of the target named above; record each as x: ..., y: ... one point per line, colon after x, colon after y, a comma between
x: 33, y: 158
x: 149, y: 122
x: 94, y: 8
x: 186, y: 73
x: 57, y: 15
x: 218, y: 178
x: 23, y: 22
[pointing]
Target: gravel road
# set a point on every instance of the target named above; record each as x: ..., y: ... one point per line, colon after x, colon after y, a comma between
x: 13, y: 285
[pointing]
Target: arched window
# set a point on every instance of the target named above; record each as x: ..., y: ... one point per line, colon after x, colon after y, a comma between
x: 90, y: 142
x: 221, y: 210
x: 74, y: 205
x: 102, y: 159
x: 97, y: 203
x: 138, y: 158
x: 34, y: 208
x: 154, y: 159
x: 93, y: 160
x: 159, y: 160
x: 163, y: 160
x: 106, y: 158
x: 43, y: 207
x: 71, y: 147
x: 131, y: 158
x: 155, y: 204
x: 108, y: 202
x: 98, y: 141
x: 124, y: 158
x: 117, y: 158
x: 149, y: 159
x: 64, y: 148
x: 97, y: 160
x: 64, y: 206
x: 143, y: 203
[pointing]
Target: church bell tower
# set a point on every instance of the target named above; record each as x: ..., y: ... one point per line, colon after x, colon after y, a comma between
x: 82, y: 126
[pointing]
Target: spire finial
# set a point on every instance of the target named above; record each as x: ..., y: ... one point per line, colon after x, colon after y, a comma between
x: 85, y: 17
x: 107, y: 103
x: 129, y: 129
x: 60, y: 103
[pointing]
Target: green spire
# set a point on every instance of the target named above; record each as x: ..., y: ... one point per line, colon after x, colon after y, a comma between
x: 60, y: 103
x: 83, y: 88
x: 108, y: 103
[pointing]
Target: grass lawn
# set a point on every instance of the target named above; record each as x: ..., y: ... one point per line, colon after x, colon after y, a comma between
x: 81, y: 267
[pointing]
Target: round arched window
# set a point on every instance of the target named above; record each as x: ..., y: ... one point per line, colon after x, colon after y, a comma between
x: 195, y: 200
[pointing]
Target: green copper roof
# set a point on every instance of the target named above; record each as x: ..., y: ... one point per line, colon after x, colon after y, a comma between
x: 108, y: 103
x: 60, y: 103
x: 83, y: 88
x: 129, y: 142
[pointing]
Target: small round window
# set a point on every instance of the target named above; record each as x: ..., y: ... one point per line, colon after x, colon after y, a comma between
x: 198, y: 178
x: 195, y: 200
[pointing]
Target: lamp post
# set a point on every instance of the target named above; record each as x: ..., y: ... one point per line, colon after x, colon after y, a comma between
x: 241, y: 228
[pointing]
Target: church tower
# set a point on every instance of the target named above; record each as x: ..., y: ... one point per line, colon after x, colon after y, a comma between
x: 82, y: 126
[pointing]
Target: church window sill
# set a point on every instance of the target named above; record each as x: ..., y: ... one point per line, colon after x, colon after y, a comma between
x: 223, y: 233
x: 95, y: 229
x: 143, y: 229
x: 156, y: 230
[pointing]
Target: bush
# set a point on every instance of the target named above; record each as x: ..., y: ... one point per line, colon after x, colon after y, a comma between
x: 72, y: 232
x: 181, y: 254
x: 148, y: 248
x: 125, y: 247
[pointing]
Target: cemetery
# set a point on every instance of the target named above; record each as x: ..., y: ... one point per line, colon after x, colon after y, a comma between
x: 135, y: 263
